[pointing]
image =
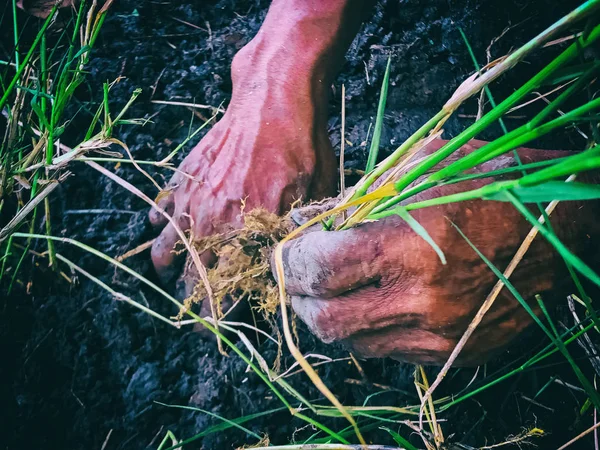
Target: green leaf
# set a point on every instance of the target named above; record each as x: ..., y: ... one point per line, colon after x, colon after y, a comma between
x: 223, y: 426
x: 40, y: 114
x: 418, y: 228
x: 81, y: 51
x: 587, y: 160
x: 567, y: 255
x: 374, y: 149
x: 35, y: 92
x: 58, y: 131
x: 549, y: 191
x: 486, y: 88
x: 399, y: 439
x: 554, y: 338
x: 232, y: 423
x: 569, y: 73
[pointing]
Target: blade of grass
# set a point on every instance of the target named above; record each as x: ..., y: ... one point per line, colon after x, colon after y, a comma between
x: 543, y: 354
x: 591, y: 392
x: 488, y: 92
x: 224, y: 426
x: 374, y: 149
x: 399, y: 439
x: 216, y: 416
x: 28, y: 56
x: 117, y: 295
x: 454, y: 144
x: 422, y: 232
x: 15, y: 34
x: 572, y: 259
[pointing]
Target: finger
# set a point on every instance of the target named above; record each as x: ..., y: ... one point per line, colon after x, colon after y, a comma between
x: 366, y: 323
x: 326, y: 264
x: 189, y: 277
x: 163, y: 256
x: 305, y: 213
x: 167, y: 204
x: 165, y: 201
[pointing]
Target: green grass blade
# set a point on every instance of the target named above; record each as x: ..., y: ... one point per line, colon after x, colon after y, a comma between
x: 488, y: 92
x: 15, y: 34
x: 592, y: 393
x: 587, y: 160
x: 543, y: 354
x: 420, y: 230
x: 216, y: 416
x: 399, y: 439
x: 571, y: 258
x: 505, y: 171
x: 30, y: 53
x: 549, y: 191
x: 224, y: 426
x: 374, y: 149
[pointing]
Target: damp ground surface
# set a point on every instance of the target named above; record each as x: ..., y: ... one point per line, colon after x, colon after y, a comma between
x: 82, y: 370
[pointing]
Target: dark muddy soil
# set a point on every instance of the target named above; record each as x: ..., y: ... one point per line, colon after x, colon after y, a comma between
x: 81, y: 370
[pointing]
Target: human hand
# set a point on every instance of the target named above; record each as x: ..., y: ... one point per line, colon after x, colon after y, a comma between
x: 381, y: 290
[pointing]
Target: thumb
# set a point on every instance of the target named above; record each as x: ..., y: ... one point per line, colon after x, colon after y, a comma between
x: 328, y: 263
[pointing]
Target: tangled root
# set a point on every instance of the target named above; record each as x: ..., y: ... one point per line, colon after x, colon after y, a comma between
x: 242, y: 270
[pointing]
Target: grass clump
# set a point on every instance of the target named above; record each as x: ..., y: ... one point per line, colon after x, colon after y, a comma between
x: 36, y: 105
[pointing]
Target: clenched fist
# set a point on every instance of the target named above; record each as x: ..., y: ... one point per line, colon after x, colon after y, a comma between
x: 381, y: 290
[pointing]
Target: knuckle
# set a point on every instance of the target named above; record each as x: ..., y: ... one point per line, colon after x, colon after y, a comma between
x: 304, y: 267
x: 313, y: 313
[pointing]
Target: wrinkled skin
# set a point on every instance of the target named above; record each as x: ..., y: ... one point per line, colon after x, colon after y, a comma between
x: 382, y: 291
x: 242, y: 158
x: 271, y: 147
x: 378, y: 288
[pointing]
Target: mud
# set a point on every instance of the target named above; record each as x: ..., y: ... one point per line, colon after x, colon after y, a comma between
x: 81, y: 370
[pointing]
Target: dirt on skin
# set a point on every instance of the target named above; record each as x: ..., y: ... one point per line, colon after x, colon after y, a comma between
x: 82, y: 370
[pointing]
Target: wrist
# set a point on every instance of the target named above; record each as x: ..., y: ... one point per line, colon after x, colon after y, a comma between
x: 300, y: 46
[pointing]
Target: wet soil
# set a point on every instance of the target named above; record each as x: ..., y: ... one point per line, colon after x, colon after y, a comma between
x: 82, y: 370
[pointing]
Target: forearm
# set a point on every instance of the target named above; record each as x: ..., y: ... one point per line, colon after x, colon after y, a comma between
x: 317, y: 32
x: 301, y: 44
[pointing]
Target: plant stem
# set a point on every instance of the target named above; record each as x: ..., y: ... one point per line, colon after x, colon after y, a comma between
x: 51, y: 250
x: 374, y: 149
x: 15, y: 34
x: 546, y: 352
x: 20, y: 70
x: 472, y: 86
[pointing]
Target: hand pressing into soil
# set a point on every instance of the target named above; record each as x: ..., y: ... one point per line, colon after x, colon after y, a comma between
x: 268, y: 151
x: 382, y: 291
x: 271, y: 147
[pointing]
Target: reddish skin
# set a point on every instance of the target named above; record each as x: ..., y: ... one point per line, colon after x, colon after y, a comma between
x: 271, y: 147
x: 382, y: 291
x: 364, y: 286
x: 41, y: 8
